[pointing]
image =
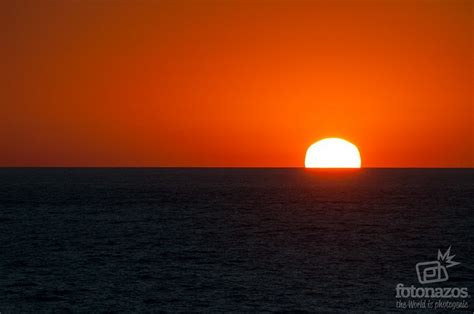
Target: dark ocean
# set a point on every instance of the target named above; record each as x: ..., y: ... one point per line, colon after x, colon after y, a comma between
x: 228, y: 240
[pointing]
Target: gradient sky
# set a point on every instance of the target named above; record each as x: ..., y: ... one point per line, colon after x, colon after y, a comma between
x: 235, y: 83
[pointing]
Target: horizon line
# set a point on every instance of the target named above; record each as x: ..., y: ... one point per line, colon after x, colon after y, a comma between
x: 213, y: 167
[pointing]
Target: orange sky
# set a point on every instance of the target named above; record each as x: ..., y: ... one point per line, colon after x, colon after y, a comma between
x: 235, y: 83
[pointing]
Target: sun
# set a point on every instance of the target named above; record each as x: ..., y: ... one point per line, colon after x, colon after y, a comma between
x: 332, y: 153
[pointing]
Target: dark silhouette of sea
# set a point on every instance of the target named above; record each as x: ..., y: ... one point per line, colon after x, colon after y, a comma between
x: 237, y: 240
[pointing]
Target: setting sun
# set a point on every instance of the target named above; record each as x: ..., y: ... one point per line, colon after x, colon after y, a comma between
x: 332, y: 153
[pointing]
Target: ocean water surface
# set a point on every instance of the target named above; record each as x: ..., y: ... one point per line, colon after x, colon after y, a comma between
x: 250, y: 240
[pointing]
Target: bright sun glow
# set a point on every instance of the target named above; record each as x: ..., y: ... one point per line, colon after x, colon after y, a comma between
x: 332, y: 153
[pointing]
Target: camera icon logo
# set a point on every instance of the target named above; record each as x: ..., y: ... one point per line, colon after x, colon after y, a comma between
x: 431, y: 272
x: 435, y: 271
